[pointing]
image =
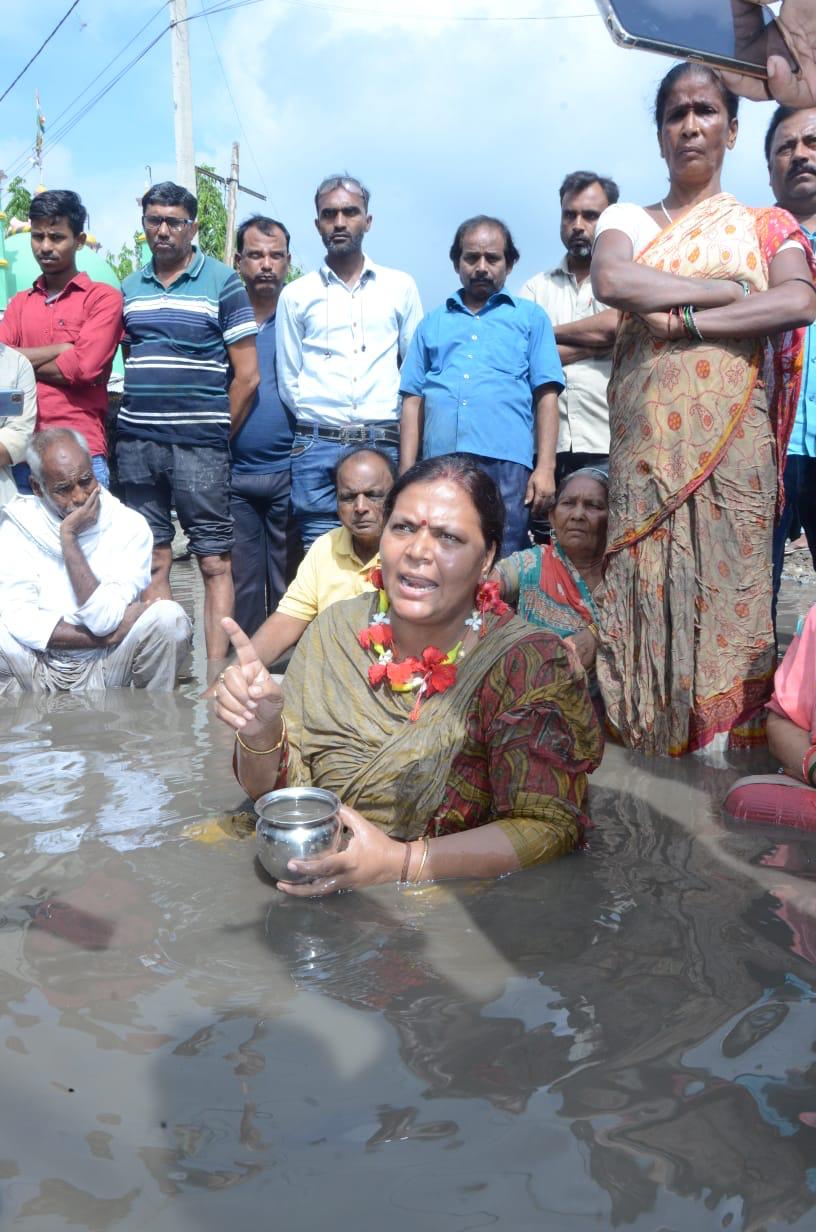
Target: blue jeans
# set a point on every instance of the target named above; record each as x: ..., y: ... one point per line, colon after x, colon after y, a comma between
x: 264, y: 545
x: 314, y: 499
x: 22, y: 473
x: 800, y: 502
x: 511, y: 479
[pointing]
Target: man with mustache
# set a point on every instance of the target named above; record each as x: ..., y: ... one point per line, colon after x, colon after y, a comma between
x: 342, y: 332
x: 584, y: 328
x: 790, y: 149
x: 261, y: 448
x: 483, y: 377
x: 191, y: 371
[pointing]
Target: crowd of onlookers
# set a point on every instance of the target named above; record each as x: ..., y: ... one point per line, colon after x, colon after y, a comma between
x: 641, y: 406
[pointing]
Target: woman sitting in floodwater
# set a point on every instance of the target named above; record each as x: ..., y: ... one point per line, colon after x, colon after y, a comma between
x: 787, y: 798
x: 458, y: 737
x: 553, y: 586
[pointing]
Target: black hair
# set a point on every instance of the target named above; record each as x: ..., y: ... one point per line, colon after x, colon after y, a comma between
x: 684, y: 69
x: 577, y: 181
x: 59, y: 203
x: 463, y: 470
x: 351, y: 453
x: 341, y: 180
x: 168, y: 193
x: 263, y: 224
x: 511, y: 253
x: 782, y: 113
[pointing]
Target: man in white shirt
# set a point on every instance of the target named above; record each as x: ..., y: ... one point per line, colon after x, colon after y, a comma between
x: 342, y: 333
x: 18, y: 415
x: 584, y: 328
x: 75, y: 561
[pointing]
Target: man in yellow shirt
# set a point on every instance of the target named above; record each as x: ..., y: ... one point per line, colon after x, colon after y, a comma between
x: 338, y: 565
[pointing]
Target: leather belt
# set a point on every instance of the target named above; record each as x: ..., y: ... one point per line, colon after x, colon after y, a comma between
x: 380, y: 431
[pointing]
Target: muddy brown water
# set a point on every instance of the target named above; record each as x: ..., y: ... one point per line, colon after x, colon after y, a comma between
x: 624, y: 1039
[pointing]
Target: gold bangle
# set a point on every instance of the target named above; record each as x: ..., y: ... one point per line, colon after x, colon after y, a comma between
x: 426, y: 842
x: 263, y: 752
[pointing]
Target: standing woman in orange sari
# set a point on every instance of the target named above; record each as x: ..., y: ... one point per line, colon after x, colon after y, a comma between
x: 704, y: 385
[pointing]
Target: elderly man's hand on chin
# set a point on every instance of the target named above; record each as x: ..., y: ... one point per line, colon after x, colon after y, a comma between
x: 797, y: 20
x: 83, y: 518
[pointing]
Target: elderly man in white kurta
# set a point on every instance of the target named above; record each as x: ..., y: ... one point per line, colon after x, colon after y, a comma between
x: 75, y: 561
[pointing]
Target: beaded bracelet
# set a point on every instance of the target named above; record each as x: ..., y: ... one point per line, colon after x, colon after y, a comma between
x: 691, y: 325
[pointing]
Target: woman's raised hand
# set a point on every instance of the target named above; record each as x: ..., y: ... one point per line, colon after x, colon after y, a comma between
x: 370, y: 858
x: 247, y: 699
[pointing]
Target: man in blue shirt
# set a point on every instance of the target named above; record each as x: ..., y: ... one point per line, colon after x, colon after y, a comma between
x: 482, y: 376
x: 790, y: 148
x: 261, y: 448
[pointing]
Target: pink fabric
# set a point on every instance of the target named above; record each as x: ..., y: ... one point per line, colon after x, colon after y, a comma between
x: 773, y: 800
x: 794, y: 695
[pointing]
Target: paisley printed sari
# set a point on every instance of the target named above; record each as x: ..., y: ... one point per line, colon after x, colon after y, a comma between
x: 699, y: 433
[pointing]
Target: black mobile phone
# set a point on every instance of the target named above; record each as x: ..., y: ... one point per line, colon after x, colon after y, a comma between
x: 729, y: 34
x: 12, y: 402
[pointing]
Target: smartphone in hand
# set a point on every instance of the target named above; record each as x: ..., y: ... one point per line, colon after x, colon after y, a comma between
x: 737, y: 35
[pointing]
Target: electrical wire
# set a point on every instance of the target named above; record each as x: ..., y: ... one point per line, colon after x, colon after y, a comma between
x: 226, y: 6
x: 26, y: 66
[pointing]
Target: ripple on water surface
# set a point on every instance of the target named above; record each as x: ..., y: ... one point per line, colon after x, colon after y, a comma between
x: 622, y: 1039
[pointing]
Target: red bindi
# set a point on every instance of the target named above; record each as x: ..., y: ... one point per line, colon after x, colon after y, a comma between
x: 423, y: 522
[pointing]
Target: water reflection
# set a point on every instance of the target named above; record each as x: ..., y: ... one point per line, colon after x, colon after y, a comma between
x: 622, y: 1039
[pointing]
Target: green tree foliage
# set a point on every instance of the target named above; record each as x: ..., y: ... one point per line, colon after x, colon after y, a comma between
x: 212, y: 215
x: 18, y: 200
x: 294, y: 272
x: 127, y: 259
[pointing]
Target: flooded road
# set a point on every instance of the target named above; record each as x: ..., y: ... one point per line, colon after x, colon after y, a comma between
x: 623, y: 1039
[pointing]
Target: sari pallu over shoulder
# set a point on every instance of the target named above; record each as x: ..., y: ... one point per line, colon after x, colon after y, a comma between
x: 357, y: 741
x: 675, y: 406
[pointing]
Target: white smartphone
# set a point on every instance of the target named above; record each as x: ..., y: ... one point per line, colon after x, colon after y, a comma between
x: 11, y: 402
x: 729, y: 34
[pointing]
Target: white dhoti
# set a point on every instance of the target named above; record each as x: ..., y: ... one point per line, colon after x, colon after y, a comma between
x: 148, y: 657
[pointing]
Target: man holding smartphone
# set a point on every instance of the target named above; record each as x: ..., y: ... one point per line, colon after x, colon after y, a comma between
x: 67, y: 326
x: 790, y: 148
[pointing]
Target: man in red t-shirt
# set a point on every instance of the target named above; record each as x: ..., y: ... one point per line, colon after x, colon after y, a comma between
x: 67, y: 326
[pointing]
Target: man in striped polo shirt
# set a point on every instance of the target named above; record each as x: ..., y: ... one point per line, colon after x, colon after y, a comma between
x: 191, y: 372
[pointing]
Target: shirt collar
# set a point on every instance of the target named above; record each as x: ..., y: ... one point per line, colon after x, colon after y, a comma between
x: 455, y: 303
x: 80, y: 279
x: 192, y: 271
x: 344, y: 546
x: 369, y: 271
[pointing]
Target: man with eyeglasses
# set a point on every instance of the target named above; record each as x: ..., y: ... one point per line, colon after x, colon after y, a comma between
x: 191, y: 372
x: 342, y: 333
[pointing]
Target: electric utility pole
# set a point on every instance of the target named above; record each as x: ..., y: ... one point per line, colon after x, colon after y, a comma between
x: 233, y: 187
x: 182, y: 95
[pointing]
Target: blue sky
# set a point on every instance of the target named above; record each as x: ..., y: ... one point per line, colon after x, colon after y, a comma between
x: 445, y: 108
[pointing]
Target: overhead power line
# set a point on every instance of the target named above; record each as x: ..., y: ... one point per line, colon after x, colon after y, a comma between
x: 26, y: 66
x: 227, y: 6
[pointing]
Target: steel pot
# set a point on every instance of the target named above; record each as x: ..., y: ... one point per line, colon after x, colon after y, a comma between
x: 296, y: 823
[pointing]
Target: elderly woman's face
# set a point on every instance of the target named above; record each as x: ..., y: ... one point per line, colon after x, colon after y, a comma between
x: 433, y: 553
x: 579, y: 518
